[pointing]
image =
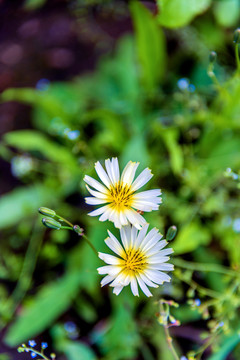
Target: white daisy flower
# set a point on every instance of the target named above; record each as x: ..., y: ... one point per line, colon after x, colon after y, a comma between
x: 141, y: 260
x: 119, y: 194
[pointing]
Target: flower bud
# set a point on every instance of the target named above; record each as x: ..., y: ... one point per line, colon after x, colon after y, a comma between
x: 212, y: 56
x: 78, y: 230
x: 46, y: 211
x: 51, y: 223
x: 236, y: 37
x: 171, y: 233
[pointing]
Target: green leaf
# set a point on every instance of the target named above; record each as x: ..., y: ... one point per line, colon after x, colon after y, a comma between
x: 77, y: 351
x: 33, y: 4
x: 190, y: 237
x: 22, y: 202
x: 170, y: 137
x: 50, y: 302
x: 136, y: 150
x: 227, y: 12
x: 177, y: 13
x: 152, y: 54
x: 31, y: 140
x: 228, y: 343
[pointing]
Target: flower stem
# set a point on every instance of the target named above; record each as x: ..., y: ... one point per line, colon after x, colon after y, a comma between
x: 205, y: 267
x: 237, y: 57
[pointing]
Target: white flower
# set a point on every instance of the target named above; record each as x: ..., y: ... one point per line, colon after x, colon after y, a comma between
x: 119, y: 194
x: 141, y: 260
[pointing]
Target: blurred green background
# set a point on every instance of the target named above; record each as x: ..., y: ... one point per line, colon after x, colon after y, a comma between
x: 130, y: 79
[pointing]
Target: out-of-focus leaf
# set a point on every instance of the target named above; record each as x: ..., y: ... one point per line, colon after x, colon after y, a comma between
x: 33, y: 4
x: 122, y: 331
x: 136, y: 150
x: 228, y: 343
x: 24, y: 201
x: 227, y: 12
x: 51, y: 301
x: 77, y: 351
x: 190, y: 237
x: 177, y: 13
x: 170, y: 137
x: 31, y: 140
x: 150, y: 44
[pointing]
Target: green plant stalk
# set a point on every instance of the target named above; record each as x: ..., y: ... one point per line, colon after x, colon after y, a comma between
x: 205, y: 267
x: 36, y: 352
x: 71, y: 228
x: 27, y: 269
x: 166, y: 331
x: 237, y: 58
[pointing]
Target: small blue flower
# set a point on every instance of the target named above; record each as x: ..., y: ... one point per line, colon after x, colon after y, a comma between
x: 32, y: 343
x: 197, y: 302
x: 44, y: 345
x: 33, y: 354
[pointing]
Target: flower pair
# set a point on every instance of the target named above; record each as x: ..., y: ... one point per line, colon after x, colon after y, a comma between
x: 141, y: 259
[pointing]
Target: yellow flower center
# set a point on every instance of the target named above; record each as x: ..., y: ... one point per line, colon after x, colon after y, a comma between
x: 120, y: 196
x: 134, y: 261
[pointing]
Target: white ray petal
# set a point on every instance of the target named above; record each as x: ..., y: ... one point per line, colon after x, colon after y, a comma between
x: 114, y: 244
x: 142, y: 179
x: 112, y: 270
x: 94, y: 201
x: 115, y: 169
x: 143, y: 287
x: 157, y: 276
x: 129, y: 172
x: 99, y: 211
x: 135, y: 218
x: 148, y: 194
x: 95, y: 184
x: 141, y: 235
x: 108, y: 166
x: 154, y: 245
x: 144, y: 206
x: 148, y: 238
x: 97, y: 194
x: 134, y: 287
x: 102, y: 174
x: 147, y: 281
x: 106, y: 280
x: 117, y: 290
x: 109, y: 259
x: 125, y: 233
x: 163, y: 267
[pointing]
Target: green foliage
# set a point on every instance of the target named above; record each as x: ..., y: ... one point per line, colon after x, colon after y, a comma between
x: 132, y: 106
x: 177, y: 13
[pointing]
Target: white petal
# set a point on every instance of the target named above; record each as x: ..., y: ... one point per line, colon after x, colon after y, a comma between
x: 114, y: 244
x: 157, y: 276
x: 163, y: 267
x: 121, y: 280
x: 105, y: 215
x: 142, y: 179
x: 166, y: 252
x: 135, y: 218
x: 134, y: 287
x: 143, y: 287
x: 154, y: 246
x: 141, y: 235
x: 95, y: 184
x: 99, y: 211
x: 106, y: 280
x: 125, y: 233
x: 147, y: 281
x: 112, y: 270
x: 108, y: 166
x: 122, y: 218
x: 148, y: 238
x: 97, y: 194
x: 129, y: 173
x: 117, y: 290
x: 109, y: 259
x: 148, y: 194
x: 94, y: 201
x: 144, y: 206
x: 102, y: 174
x: 134, y: 233
x: 157, y: 259
x: 115, y: 169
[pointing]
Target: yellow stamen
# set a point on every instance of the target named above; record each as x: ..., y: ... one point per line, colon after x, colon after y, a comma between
x: 120, y: 196
x: 134, y: 262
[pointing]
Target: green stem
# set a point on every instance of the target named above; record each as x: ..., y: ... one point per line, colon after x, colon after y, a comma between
x: 205, y: 267
x: 37, y: 352
x: 237, y: 57
x: 82, y: 235
x: 25, y: 277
